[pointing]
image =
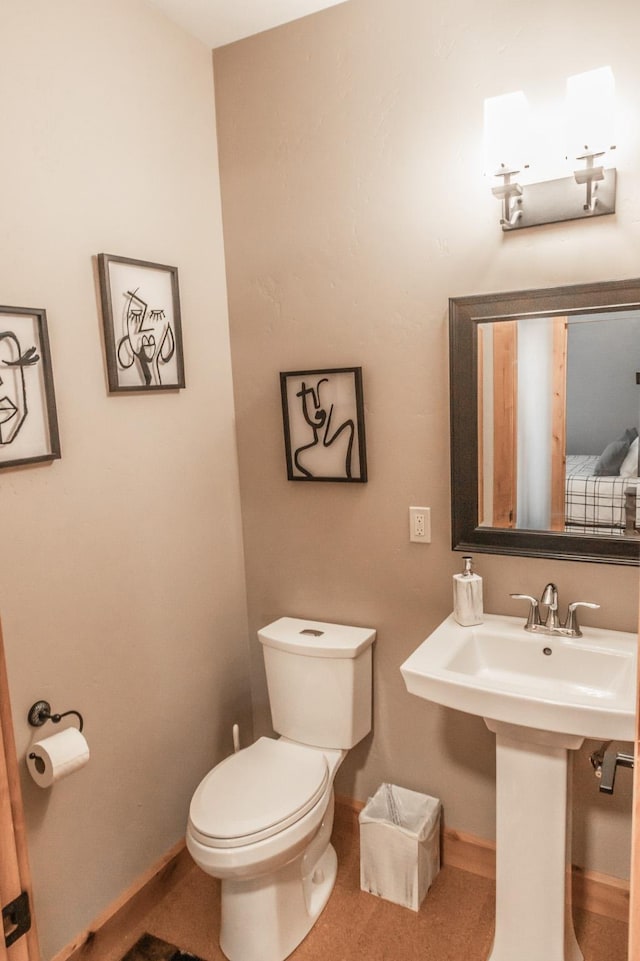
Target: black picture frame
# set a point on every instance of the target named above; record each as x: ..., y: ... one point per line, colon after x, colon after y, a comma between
x: 142, y: 324
x: 28, y: 416
x: 323, y: 419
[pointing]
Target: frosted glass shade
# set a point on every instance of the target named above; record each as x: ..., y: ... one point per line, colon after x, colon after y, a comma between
x: 590, y: 111
x: 506, y: 132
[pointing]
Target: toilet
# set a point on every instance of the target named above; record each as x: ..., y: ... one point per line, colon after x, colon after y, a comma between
x: 261, y: 820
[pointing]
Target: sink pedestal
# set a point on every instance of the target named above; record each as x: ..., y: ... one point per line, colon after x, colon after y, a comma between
x: 533, y: 845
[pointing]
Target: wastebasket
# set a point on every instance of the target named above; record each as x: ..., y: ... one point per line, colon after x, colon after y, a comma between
x: 399, y: 845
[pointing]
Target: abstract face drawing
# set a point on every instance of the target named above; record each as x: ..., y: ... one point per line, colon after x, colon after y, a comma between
x: 13, y: 391
x: 324, y: 434
x: 149, y: 341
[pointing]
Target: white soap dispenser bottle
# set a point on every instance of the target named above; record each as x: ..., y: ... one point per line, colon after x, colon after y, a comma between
x: 467, y: 595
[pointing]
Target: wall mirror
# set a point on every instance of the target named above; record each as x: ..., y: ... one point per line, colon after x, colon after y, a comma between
x: 545, y: 414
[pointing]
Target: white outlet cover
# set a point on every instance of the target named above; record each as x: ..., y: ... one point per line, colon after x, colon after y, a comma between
x: 423, y: 536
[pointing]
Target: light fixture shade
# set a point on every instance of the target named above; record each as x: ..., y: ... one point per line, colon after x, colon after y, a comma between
x: 506, y: 132
x: 590, y: 112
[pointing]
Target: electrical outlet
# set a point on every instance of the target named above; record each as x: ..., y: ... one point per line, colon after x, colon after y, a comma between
x: 420, y: 525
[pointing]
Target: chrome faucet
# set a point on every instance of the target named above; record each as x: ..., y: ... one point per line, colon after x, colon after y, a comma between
x: 551, y: 625
x: 550, y: 599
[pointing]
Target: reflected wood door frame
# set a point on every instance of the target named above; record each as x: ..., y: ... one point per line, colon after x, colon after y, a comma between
x: 558, y: 423
x: 505, y: 424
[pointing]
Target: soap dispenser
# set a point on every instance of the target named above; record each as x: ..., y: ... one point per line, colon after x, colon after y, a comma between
x: 467, y: 595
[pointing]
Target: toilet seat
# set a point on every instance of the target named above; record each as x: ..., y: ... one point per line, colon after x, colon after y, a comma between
x: 256, y: 793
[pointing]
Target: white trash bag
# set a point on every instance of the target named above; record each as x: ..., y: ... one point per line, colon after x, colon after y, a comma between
x: 399, y: 845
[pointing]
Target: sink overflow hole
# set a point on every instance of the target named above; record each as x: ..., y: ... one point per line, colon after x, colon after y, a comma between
x: 547, y: 651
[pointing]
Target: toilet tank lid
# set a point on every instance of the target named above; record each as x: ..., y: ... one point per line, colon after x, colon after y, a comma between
x: 316, y: 638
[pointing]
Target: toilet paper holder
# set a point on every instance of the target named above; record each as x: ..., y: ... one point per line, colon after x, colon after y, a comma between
x: 41, y: 712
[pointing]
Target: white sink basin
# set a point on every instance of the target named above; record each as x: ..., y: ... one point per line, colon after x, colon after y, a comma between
x: 582, y: 686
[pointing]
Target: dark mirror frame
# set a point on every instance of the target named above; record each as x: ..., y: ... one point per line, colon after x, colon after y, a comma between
x: 465, y: 313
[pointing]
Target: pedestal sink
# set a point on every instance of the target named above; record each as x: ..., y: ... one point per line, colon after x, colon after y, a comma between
x: 541, y: 695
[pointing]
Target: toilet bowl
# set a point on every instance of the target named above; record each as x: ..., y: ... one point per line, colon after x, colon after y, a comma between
x: 261, y: 820
x: 274, y: 858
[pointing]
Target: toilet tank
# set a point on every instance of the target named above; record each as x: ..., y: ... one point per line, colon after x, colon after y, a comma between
x: 319, y: 679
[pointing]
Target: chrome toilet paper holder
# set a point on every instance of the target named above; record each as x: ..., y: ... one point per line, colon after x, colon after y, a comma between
x: 40, y: 712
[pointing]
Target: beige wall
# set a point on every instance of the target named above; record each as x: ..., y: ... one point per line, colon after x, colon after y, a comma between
x: 122, y: 591
x: 354, y: 206
x: 354, y: 209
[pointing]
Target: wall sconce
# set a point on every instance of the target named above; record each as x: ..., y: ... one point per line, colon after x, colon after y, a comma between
x: 588, y: 122
x: 506, y: 147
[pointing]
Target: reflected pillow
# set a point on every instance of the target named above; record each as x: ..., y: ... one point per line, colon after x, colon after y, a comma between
x: 612, y: 458
x: 629, y: 466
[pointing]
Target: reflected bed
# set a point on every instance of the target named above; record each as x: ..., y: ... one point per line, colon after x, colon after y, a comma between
x: 597, y: 504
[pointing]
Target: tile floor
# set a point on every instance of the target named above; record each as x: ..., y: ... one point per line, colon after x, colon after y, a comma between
x: 455, y: 922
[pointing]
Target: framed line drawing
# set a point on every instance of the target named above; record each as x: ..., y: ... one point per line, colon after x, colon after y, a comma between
x: 28, y: 418
x: 323, y: 418
x: 142, y: 327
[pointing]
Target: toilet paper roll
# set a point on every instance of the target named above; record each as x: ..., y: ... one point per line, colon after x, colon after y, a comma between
x: 57, y: 756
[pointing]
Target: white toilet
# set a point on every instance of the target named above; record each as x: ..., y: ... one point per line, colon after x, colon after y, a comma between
x: 261, y: 820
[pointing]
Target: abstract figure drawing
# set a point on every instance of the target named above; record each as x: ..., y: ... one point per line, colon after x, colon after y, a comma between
x: 148, y: 342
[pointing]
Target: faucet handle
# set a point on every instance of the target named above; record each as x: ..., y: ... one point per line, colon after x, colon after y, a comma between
x: 534, y: 610
x: 571, y: 624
